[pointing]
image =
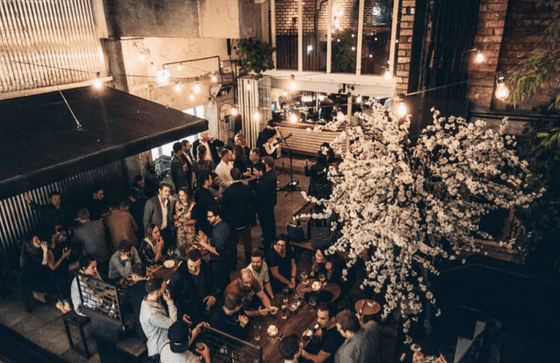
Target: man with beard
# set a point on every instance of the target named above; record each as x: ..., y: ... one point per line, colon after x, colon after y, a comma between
x: 327, y: 334
x: 259, y: 268
x: 247, y: 286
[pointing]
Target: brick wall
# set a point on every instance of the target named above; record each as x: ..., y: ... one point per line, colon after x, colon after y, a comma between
x: 404, y: 45
x: 525, y: 23
x: 489, y: 36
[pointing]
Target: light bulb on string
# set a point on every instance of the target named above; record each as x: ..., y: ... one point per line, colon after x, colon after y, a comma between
x: 285, y: 94
x: 502, y: 92
x: 248, y: 87
x: 479, y: 57
x: 178, y: 88
x: 141, y: 57
x: 214, y: 78
x: 196, y: 88
x: 180, y: 68
x: 359, y: 99
x: 233, y: 111
x: 293, y: 84
x: 153, y: 66
x: 293, y: 118
x: 387, y: 74
x: 257, y: 116
x: 97, y: 83
x: 191, y: 96
x: 402, y: 110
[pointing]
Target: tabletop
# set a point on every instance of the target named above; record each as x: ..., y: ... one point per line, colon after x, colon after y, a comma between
x: 330, y: 287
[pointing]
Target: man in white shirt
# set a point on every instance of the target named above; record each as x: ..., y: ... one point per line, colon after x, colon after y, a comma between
x: 175, y: 350
x: 224, y: 169
x: 259, y: 268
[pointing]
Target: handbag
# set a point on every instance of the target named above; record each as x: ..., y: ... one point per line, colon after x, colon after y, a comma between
x: 295, y: 232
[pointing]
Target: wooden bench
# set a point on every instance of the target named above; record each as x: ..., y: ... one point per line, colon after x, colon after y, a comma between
x: 131, y: 348
x: 78, y: 321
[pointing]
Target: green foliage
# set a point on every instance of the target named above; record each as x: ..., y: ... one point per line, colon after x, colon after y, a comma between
x: 550, y: 138
x: 254, y: 55
x: 344, y: 58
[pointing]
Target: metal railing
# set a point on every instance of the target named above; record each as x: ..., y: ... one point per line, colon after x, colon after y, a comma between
x: 225, y: 348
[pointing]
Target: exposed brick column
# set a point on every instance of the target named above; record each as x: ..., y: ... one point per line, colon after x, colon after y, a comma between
x: 489, y: 34
x: 408, y: 8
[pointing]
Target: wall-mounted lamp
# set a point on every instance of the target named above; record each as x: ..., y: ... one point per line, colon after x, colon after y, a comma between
x: 402, y: 110
x: 479, y: 57
x: 502, y: 92
x: 233, y: 111
x: 293, y: 84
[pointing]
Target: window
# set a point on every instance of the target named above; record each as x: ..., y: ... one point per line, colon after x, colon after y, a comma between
x: 168, y: 148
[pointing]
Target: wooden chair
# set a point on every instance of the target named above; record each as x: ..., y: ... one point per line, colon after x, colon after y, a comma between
x: 72, y: 318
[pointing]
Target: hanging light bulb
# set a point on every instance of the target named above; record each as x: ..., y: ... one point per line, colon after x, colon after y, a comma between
x: 180, y: 66
x: 293, y: 118
x: 233, y: 111
x: 321, y: 97
x: 191, y: 96
x: 153, y: 66
x: 214, y: 78
x: 401, y: 107
x: 353, y: 48
x: 293, y: 84
x: 285, y: 94
x: 502, y: 92
x: 257, y: 116
x: 479, y: 57
x: 387, y: 74
x: 359, y: 99
x: 196, y: 88
x: 248, y: 87
x: 178, y: 88
x: 97, y: 83
x: 163, y: 76
x: 141, y: 57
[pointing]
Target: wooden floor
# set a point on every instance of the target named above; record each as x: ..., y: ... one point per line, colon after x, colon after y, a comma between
x: 44, y: 325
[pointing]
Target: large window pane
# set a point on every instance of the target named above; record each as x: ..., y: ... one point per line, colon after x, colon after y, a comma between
x: 376, y: 41
x: 315, y: 29
x: 345, y: 36
x: 287, y: 34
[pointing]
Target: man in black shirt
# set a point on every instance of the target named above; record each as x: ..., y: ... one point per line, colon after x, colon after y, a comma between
x: 329, y: 339
x: 204, y: 202
x: 227, y: 319
x: 266, y: 201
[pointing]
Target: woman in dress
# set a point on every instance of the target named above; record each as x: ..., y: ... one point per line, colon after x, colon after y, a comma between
x: 57, y: 260
x: 151, y: 248
x: 240, y: 161
x: 33, y: 262
x: 202, y: 164
x: 184, y: 221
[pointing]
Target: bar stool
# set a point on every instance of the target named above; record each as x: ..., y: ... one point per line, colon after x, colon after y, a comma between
x: 78, y: 321
x: 131, y: 348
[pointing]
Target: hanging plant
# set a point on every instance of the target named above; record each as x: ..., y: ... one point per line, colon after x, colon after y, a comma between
x: 254, y: 56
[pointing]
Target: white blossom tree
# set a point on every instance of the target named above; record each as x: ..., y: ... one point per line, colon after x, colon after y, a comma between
x: 411, y: 202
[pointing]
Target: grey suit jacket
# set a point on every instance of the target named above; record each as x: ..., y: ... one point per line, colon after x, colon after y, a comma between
x: 153, y: 213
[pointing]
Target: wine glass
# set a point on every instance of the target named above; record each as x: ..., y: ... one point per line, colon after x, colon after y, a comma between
x: 323, y: 279
x: 170, y: 253
x: 313, y: 301
x: 285, y: 311
x: 257, y: 332
x: 305, y: 278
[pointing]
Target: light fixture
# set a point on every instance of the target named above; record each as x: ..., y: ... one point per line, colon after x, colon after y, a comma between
x: 285, y: 94
x: 180, y: 66
x: 233, y: 111
x: 293, y: 84
x: 353, y: 48
x: 196, y: 88
x: 293, y: 118
x: 479, y: 57
x: 141, y: 57
x: 321, y: 97
x: 353, y: 35
x: 163, y: 76
x: 214, y: 78
x: 178, y: 88
x: 191, y: 96
x: 257, y: 116
x: 401, y: 107
x: 502, y: 92
x: 153, y: 66
x: 387, y: 74
x: 371, y: 55
x: 97, y: 83
x: 248, y: 87
x: 359, y: 99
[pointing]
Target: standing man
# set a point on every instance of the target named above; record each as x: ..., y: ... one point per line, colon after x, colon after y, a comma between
x: 90, y: 236
x: 159, y: 211
x: 154, y: 318
x: 224, y: 168
x: 204, y: 201
x: 266, y: 201
x: 98, y: 204
x: 239, y: 210
x: 121, y: 225
x: 211, y: 144
x: 55, y: 214
x: 188, y: 159
x: 136, y: 210
x: 179, y: 168
x: 361, y: 345
x: 192, y: 287
x: 329, y: 337
x: 220, y: 247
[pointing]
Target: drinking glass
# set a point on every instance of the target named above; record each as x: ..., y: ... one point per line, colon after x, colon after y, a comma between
x: 285, y: 311
x: 305, y: 278
x: 257, y: 332
x: 322, y: 278
x: 313, y: 301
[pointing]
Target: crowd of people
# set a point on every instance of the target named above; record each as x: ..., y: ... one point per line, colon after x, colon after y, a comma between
x: 219, y: 195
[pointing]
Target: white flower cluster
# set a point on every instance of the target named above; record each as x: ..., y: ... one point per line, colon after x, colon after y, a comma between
x: 408, y: 203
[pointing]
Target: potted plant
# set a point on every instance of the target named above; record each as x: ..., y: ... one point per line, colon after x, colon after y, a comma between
x: 254, y: 56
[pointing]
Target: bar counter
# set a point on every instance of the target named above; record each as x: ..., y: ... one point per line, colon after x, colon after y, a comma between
x: 303, y: 142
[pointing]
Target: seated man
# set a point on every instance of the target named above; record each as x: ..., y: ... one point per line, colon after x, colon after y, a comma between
x: 259, y: 268
x: 361, y: 345
x: 175, y: 350
x: 120, y: 264
x: 290, y: 349
x: 329, y: 337
x: 192, y: 287
x: 282, y: 262
x: 154, y: 318
x: 247, y: 286
x: 228, y: 320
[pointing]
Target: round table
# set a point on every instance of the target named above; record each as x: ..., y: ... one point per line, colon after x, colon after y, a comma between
x: 367, y: 307
x: 330, y: 286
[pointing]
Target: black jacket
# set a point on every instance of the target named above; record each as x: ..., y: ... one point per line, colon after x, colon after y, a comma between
x: 213, y: 149
x: 266, y: 191
x: 238, y: 204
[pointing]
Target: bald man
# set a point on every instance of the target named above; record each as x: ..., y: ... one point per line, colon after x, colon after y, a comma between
x: 247, y: 287
x: 211, y: 144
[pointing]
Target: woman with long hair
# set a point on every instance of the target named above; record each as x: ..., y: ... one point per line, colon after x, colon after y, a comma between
x: 240, y: 160
x: 33, y: 262
x: 151, y: 248
x: 202, y: 163
x: 57, y: 260
x: 184, y: 220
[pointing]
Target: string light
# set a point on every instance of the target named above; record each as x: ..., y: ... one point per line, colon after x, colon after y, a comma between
x: 293, y: 84
x: 233, y: 111
x: 479, y: 57
x: 502, y: 92
x: 163, y: 76
x: 387, y: 74
x: 248, y: 87
x: 214, y: 78
x: 359, y: 99
x: 257, y: 116
x: 353, y: 48
x: 293, y: 118
x: 153, y: 66
x: 321, y: 97
x: 196, y: 87
x: 285, y: 94
x: 401, y: 108
x: 191, y: 96
x: 97, y: 83
x: 141, y: 57
x: 180, y: 66
x: 178, y: 88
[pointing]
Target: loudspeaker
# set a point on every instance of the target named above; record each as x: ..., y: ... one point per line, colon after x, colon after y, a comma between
x: 234, y: 122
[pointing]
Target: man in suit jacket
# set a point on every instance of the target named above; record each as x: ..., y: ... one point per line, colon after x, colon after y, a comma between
x: 189, y: 160
x: 179, y: 168
x: 159, y: 210
x: 211, y: 145
x: 239, y: 209
x: 266, y: 200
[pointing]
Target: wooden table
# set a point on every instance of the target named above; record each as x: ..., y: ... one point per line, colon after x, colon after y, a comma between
x: 330, y: 286
x: 296, y: 323
x: 164, y: 272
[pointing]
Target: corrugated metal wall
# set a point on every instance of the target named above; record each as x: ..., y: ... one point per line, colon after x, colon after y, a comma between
x: 17, y: 219
x: 47, y: 43
x: 256, y: 98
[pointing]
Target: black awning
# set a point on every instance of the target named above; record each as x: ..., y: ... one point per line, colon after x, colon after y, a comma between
x: 40, y: 143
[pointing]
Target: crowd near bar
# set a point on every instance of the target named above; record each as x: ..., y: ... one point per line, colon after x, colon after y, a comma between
x: 278, y: 181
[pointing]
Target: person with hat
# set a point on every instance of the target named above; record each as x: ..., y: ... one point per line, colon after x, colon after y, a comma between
x: 175, y: 350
